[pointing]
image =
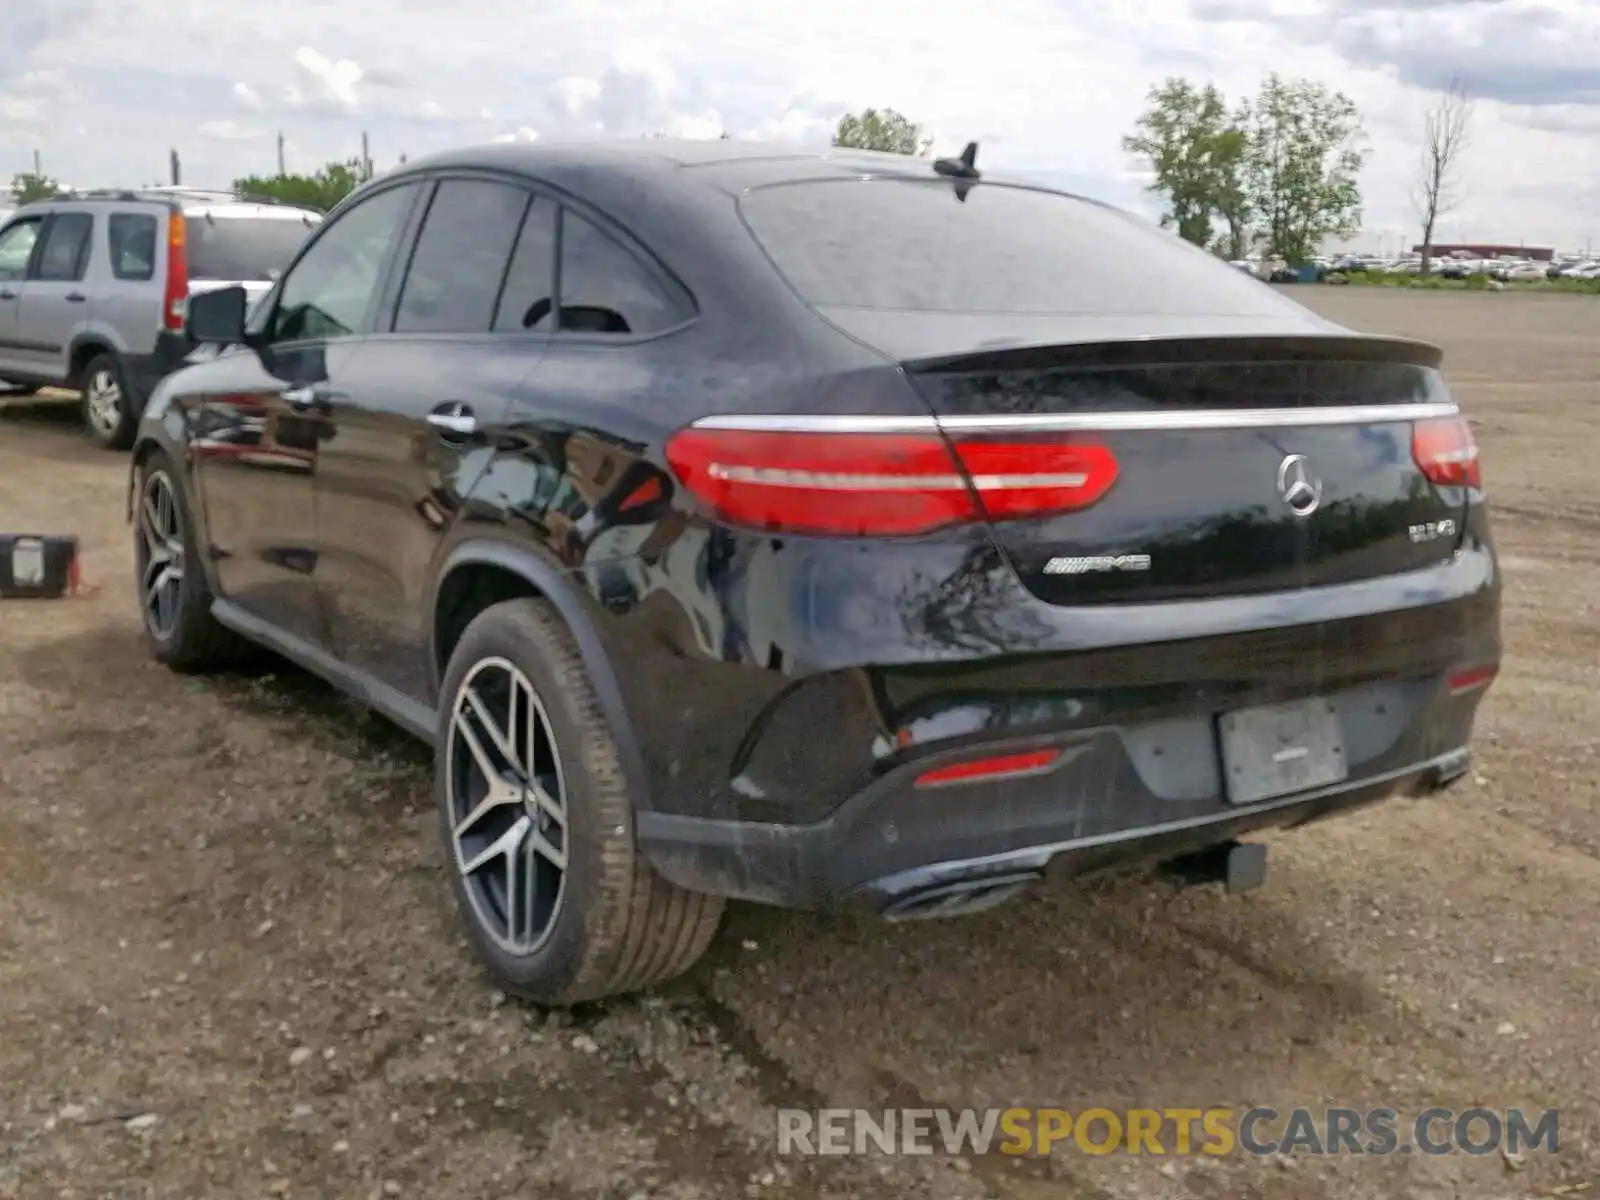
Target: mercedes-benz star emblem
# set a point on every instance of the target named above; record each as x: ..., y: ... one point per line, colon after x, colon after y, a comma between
x: 1300, y: 490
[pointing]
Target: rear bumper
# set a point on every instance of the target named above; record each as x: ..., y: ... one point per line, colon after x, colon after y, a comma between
x: 144, y: 371
x: 847, y: 860
x: 782, y: 701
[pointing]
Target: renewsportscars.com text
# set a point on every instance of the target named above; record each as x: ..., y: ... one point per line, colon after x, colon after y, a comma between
x: 1166, y: 1131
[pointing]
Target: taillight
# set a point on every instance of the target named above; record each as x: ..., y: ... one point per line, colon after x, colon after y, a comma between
x: 175, y: 305
x: 1446, y: 453
x: 883, y: 484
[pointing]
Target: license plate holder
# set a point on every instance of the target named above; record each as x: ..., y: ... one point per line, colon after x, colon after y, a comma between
x: 1279, y: 749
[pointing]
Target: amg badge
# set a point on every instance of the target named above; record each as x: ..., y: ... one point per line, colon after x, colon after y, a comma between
x: 1096, y: 563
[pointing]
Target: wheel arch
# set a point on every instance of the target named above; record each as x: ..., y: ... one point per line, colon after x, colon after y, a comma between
x: 83, y: 349
x: 481, y: 572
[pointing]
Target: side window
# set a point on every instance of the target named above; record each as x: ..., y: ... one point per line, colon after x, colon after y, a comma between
x: 132, y: 238
x: 527, y: 298
x: 16, y: 247
x: 329, y: 292
x: 605, y: 289
x: 66, y: 248
x: 460, y: 259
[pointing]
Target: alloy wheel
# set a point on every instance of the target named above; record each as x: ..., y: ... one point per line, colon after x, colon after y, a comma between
x: 507, y: 806
x: 161, y: 554
x: 103, y: 398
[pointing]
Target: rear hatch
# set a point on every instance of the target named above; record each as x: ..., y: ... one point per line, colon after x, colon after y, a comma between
x: 1223, y: 466
x: 243, y: 245
x: 1142, y: 421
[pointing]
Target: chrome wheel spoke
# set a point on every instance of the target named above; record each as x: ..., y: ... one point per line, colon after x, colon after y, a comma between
x: 492, y: 771
x: 104, y: 398
x: 506, y: 848
x: 499, y: 796
x: 548, y: 805
x: 507, y: 806
x: 160, y: 553
x: 539, y: 846
x: 502, y: 742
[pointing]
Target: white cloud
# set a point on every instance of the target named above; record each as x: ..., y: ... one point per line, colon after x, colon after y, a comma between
x: 229, y: 131
x: 1046, y: 87
x: 703, y: 126
x: 794, y: 125
x: 524, y: 134
x: 20, y: 108
x: 575, y: 96
x: 321, y: 81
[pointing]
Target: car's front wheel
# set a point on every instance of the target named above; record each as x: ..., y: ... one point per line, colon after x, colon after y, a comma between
x: 537, y: 822
x: 174, y: 601
x: 108, y: 411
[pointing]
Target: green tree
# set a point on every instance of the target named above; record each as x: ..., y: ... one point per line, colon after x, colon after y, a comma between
x: 27, y: 187
x: 322, y: 191
x: 1302, y: 165
x: 881, y: 129
x: 1195, y: 148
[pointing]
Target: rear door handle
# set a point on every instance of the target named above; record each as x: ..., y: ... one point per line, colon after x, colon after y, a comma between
x: 309, y: 398
x: 455, y: 419
x: 76, y: 297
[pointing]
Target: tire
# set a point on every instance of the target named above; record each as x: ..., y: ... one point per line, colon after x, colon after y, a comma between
x: 608, y: 924
x: 179, y: 629
x: 108, y: 410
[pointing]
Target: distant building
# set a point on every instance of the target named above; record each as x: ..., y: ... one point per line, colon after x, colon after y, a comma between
x: 1364, y: 243
x: 1481, y: 250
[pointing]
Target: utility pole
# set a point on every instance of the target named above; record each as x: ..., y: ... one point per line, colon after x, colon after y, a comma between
x: 37, y: 168
x: 366, y: 156
x: 281, y: 171
x: 177, y: 168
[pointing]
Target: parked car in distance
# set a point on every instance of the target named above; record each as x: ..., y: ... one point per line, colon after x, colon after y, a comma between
x: 816, y: 529
x: 94, y: 287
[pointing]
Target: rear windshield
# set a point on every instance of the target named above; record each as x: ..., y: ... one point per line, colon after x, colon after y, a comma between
x: 912, y: 245
x: 242, y: 249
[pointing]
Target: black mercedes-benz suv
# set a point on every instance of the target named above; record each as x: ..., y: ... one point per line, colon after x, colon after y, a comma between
x: 816, y: 527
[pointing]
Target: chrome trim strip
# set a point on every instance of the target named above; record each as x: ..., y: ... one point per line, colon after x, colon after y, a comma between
x: 1164, y: 419
x: 794, y: 423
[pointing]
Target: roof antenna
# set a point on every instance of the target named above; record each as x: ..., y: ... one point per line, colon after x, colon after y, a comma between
x: 964, y: 170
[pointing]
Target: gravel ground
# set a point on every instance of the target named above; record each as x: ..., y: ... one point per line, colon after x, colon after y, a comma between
x: 229, y: 966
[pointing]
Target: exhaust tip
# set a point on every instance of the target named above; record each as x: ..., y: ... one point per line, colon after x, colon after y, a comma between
x: 1444, y: 774
x: 1238, y: 866
x: 959, y: 899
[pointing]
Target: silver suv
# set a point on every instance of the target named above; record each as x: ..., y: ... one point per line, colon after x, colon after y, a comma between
x: 94, y: 287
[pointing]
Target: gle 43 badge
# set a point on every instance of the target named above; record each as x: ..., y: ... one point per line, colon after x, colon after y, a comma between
x: 1430, y: 531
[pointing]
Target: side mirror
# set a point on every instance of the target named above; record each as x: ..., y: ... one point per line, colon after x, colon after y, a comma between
x: 218, y: 316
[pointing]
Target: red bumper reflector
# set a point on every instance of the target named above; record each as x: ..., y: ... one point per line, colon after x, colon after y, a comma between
x: 989, y: 769
x: 1473, y: 677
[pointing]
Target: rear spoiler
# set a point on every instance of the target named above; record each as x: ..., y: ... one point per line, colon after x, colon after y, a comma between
x: 1189, y: 351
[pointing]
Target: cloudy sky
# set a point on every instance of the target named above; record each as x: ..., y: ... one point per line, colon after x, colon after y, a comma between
x: 103, y: 88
